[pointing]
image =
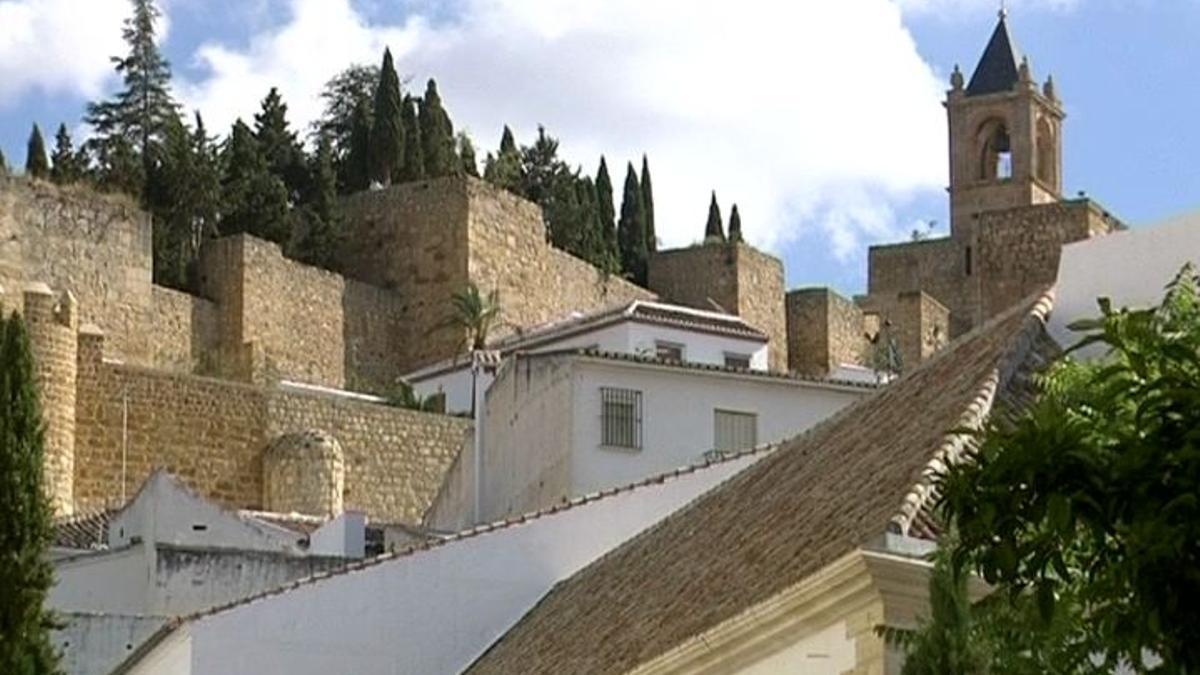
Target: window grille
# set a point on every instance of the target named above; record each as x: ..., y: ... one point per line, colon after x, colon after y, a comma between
x: 734, y: 430
x: 668, y: 351
x: 621, y: 418
x: 737, y: 361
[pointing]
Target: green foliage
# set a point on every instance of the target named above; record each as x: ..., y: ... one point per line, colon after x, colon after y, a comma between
x: 1092, y: 495
x: 342, y: 94
x: 403, y: 396
x: 65, y: 167
x: 631, y: 230
x: 714, y: 230
x: 3, y: 164
x: 884, y: 354
x: 437, y: 135
x: 278, y: 143
x: 137, y: 116
x: 183, y: 193
x: 320, y: 232
x: 357, y: 165
x: 476, y: 313
x: 36, y: 164
x: 25, y: 531
x: 387, y: 130
x: 254, y: 199
x: 414, y: 156
x: 466, y: 155
x: 648, y: 206
x: 606, y: 218
x: 504, y: 170
x: 735, y: 224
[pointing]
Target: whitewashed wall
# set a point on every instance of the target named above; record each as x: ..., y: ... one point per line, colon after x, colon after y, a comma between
x: 93, y: 644
x: 677, y: 416
x: 430, y: 612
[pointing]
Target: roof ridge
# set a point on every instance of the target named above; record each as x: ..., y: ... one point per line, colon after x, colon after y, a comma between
x: 975, y: 415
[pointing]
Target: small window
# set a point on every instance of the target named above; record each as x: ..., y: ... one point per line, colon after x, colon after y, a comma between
x: 668, y: 351
x: 968, y: 261
x: 734, y: 430
x: 621, y: 418
x: 741, y: 361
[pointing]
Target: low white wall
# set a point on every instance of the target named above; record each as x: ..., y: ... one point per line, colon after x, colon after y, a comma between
x: 94, y: 644
x: 433, y: 611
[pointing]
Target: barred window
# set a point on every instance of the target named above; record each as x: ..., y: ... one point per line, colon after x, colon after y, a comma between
x: 734, y: 430
x: 621, y: 418
x: 668, y: 351
x: 737, y: 361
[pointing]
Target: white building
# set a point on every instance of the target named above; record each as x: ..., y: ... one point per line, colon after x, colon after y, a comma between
x: 558, y: 424
x: 640, y: 328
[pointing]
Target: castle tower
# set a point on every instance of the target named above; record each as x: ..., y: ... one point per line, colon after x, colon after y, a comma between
x: 1005, y: 137
x: 304, y: 472
x: 53, y: 323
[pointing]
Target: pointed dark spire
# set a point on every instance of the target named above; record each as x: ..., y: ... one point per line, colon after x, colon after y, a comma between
x: 998, y: 67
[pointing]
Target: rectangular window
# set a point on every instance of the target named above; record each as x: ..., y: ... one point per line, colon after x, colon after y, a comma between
x: 668, y: 351
x: 741, y: 361
x: 968, y: 261
x: 734, y: 430
x: 621, y: 418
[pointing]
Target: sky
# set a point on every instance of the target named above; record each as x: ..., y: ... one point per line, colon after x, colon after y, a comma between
x: 822, y: 120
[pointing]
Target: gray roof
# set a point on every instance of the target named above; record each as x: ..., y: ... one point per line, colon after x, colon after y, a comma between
x: 998, y: 67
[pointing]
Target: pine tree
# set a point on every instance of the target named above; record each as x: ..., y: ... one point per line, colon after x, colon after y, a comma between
x: 735, y: 224
x: 26, y: 574
x: 414, y: 156
x: 36, y: 164
x: 139, y: 113
x: 437, y: 135
x: 358, y: 160
x: 387, y: 132
x: 342, y: 94
x: 254, y: 199
x: 713, y: 229
x: 648, y: 203
x: 65, y: 162
x: 279, y: 145
x: 183, y: 192
x: 631, y: 231
x: 606, y: 217
x: 466, y: 155
x: 540, y: 167
x: 504, y: 170
x: 319, y: 238
x: 120, y: 168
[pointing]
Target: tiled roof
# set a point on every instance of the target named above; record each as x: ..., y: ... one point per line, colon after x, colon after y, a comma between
x: 821, y: 495
x: 86, y: 530
x: 997, y: 69
x: 711, y: 367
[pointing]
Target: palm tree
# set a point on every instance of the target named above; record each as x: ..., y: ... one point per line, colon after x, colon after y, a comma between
x: 476, y: 313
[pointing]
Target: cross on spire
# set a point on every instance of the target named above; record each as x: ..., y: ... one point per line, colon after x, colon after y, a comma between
x: 1003, y: 10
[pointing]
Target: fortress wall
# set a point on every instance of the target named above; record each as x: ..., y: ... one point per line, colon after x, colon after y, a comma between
x: 395, y: 459
x: 935, y: 266
x: 73, y: 239
x: 824, y: 331
x: 537, y: 282
x: 185, y: 331
x: 761, y: 300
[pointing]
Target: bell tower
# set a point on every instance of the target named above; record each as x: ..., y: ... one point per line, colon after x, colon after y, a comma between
x: 1005, y: 136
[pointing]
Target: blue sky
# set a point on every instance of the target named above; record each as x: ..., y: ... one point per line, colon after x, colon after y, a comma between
x: 822, y: 120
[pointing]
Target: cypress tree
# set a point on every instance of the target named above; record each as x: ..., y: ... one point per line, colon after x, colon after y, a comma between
x: 139, y: 113
x: 735, y: 224
x: 387, y: 133
x: 437, y: 135
x: 63, y: 160
x: 318, y: 241
x: 358, y: 160
x: 631, y: 231
x: 414, y: 156
x: 3, y: 164
x: 648, y: 203
x: 713, y: 229
x: 504, y: 170
x: 284, y: 155
x: 26, y: 574
x: 606, y: 217
x: 254, y: 199
x: 36, y: 164
x: 466, y: 155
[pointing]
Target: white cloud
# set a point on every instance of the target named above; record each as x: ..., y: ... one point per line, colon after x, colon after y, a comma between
x: 807, y: 114
x: 960, y: 8
x: 58, y: 46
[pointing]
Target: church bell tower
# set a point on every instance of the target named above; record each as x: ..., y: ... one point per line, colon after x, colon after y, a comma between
x: 1005, y: 136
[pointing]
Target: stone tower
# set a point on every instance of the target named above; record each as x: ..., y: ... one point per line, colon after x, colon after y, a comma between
x: 53, y: 324
x: 304, y: 472
x: 1005, y: 137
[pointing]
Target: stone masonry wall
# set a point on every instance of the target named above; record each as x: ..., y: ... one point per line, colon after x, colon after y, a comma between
x: 185, y: 329
x: 935, y: 266
x: 824, y: 331
x: 52, y: 323
x: 212, y: 433
x: 735, y: 278
x: 918, y: 322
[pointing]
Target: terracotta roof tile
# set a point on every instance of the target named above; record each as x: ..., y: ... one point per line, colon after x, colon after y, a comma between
x: 819, y: 496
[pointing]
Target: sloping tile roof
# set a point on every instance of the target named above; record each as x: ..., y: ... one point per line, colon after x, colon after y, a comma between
x: 711, y: 367
x: 820, y: 496
x: 997, y: 69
